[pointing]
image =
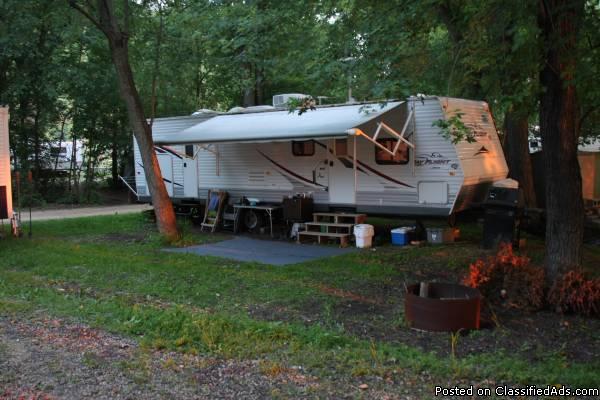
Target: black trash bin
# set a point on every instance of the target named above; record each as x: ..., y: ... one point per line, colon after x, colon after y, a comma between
x: 503, y: 208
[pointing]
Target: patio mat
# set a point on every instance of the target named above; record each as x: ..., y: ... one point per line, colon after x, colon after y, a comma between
x: 264, y: 251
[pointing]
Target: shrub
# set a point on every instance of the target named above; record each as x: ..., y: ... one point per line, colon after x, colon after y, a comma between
x: 508, y: 279
x: 573, y: 292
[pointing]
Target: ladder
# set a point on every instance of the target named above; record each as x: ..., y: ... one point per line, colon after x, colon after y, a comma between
x: 213, y: 211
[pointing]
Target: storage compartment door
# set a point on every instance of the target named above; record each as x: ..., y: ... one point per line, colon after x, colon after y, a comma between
x: 433, y: 192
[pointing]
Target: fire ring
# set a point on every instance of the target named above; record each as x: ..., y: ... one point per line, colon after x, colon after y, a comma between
x: 445, y: 307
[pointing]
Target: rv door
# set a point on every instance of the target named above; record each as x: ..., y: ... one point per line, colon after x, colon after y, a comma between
x: 190, y: 173
x: 341, y: 172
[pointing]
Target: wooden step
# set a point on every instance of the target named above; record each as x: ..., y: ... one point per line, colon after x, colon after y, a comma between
x: 339, y: 218
x: 329, y: 224
x: 328, y: 227
x: 323, y: 236
x: 309, y: 233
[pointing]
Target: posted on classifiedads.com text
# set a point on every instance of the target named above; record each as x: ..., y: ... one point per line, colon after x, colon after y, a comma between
x: 516, y: 391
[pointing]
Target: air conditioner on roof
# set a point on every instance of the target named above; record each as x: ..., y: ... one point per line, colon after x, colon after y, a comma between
x: 281, y: 100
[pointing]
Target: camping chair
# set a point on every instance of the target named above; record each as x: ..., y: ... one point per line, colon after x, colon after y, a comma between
x: 214, y: 209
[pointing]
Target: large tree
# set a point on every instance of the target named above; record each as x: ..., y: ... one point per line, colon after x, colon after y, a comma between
x: 103, y: 15
x: 559, y: 23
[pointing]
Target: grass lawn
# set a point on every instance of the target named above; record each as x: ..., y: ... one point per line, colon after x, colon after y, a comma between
x: 342, y: 316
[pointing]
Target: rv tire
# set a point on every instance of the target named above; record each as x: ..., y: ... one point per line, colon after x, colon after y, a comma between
x: 252, y: 219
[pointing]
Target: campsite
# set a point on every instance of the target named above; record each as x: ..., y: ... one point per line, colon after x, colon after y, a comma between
x: 316, y: 329
x: 258, y: 199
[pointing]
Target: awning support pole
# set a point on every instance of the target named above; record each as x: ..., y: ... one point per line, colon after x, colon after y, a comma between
x: 354, y: 166
x: 392, y: 132
x: 414, y: 121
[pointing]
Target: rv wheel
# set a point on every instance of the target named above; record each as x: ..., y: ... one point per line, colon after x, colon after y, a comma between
x: 252, y: 220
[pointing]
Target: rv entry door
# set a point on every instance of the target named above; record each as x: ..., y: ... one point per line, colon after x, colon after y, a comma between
x: 341, y: 173
x: 190, y: 173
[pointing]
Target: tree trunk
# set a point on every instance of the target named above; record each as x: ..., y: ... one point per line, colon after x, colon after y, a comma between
x: 516, y: 147
x: 118, y: 36
x: 249, y: 97
x: 559, y: 22
x: 163, y: 208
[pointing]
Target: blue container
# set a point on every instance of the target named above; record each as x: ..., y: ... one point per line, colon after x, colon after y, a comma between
x: 400, y: 236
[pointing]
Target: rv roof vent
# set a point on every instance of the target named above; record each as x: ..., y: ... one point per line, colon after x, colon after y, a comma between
x: 281, y: 100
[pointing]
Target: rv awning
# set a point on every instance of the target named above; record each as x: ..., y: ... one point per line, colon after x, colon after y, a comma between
x: 325, y: 122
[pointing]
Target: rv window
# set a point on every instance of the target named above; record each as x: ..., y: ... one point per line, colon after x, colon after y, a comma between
x: 303, y: 149
x: 383, y: 157
x: 189, y: 150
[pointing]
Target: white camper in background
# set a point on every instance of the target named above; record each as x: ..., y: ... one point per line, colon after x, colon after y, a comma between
x: 370, y: 157
x: 5, y: 180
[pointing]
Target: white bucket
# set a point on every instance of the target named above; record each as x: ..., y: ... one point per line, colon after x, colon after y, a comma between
x: 364, y: 242
x: 364, y: 235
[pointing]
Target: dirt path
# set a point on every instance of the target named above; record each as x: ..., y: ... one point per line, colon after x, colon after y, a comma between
x: 51, y: 359
x: 75, y: 212
x: 46, y: 358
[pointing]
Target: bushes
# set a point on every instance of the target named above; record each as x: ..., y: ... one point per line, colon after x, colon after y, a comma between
x: 574, y: 293
x: 511, y: 280
x: 508, y: 279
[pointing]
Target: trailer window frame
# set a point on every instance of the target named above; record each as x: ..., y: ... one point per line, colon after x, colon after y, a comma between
x: 189, y: 150
x: 299, y: 148
x: 390, y: 143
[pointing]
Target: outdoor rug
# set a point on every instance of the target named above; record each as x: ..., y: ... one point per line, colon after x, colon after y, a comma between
x: 264, y: 251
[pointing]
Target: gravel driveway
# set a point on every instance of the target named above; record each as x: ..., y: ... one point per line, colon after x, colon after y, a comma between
x: 46, y: 358
x: 76, y: 212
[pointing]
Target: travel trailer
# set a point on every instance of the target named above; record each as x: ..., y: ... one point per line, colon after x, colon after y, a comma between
x: 5, y: 180
x: 61, y: 156
x: 380, y: 158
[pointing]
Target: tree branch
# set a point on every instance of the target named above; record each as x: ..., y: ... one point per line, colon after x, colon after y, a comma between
x: 87, y: 15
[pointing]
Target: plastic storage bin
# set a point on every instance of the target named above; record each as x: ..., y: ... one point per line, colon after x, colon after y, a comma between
x: 364, y: 235
x: 440, y: 235
x: 401, y: 236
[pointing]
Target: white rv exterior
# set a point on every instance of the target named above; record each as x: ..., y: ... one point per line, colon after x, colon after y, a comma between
x: 5, y: 180
x: 253, y: 156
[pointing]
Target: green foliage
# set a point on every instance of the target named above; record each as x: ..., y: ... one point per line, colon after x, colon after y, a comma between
x: 301, y: 105
x: 454, y: 129
x: 109, y: 272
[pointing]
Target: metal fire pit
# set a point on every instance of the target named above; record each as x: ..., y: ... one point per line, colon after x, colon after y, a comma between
x: 447, y: 307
